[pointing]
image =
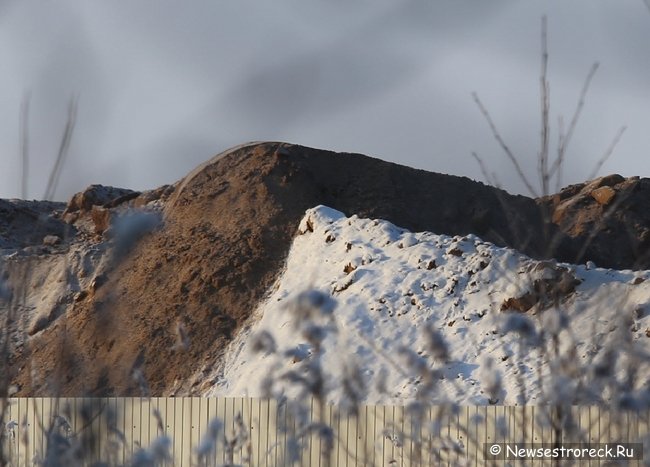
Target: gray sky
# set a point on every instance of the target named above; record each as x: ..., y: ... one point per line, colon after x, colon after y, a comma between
x: 164, y: 85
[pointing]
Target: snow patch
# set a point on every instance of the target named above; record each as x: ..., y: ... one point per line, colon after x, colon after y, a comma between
x: 378, y: 293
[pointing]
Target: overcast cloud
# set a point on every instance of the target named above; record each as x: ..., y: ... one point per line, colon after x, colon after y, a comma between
x: 164, y: 85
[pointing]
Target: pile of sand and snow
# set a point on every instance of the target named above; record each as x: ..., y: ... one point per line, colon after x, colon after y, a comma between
x: 200, y: 255
x: 388, y: 288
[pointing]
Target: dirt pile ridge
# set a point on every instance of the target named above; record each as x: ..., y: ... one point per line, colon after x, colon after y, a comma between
x: 608, y: 219
x: 161, y: 307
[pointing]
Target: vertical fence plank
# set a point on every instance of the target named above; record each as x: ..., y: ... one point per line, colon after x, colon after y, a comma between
x: 229, y: 422
x: 23, y: 432
x: 268, y: 431
x: 248, y: 423
x: 10, y: 446
x: 489, y: 426
x: 166, y: 411
x: 309, y: 454
x: 177, y: 428
x: 390, y: 455
x: 146, y: 420
x: 241, y: 411
x: 192, y: 436
x: 137, y: 417
x: 115, y: 427
x: 49, y: 424
x: 132, y: 443
x: 273, y: 434
x: 353, y: 434
x: 222, y: 404
x: 213, y: 414
x: 255, y: 432
x: 154, y: 429
x: 341, y: 427
x: 362, y: 436
x: 634, y: 430
x: 476, y: 421
x: 38, y: 445
x: 369, y: 412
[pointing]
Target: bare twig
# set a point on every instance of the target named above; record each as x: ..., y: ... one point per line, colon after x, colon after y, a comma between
x: 503, y: 145
x: 490, y: 178
x: 608, y: 152
x: 24, y: 145
x: 544, y: 105
x: 565, y: 138
x: 53, y: 181
x: 559, y: 161
x: 546, y: 172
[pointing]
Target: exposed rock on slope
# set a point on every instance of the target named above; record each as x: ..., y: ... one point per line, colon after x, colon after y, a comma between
x: 608, y: 219
x: 196, y: 277
x: 26, y: 223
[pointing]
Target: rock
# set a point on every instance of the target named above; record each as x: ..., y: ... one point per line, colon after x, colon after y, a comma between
x: 610, y: 180
x: 34, y: 250
x: 101, y: 219
x: 43, y: 319
x: 97, y: 282
x: 150, y: 196
x: 553, y: 284
x: 603, y: 195
x: 80, y: 296
x: 98, y: 195
x: 70, y: 217
x: 51, y: 240
x: 522, y: 303
x: 617, y: 237
x: 38, y: 324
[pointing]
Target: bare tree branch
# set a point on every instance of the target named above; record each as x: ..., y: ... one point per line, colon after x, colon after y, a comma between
x: 24, y: 146
x: 544, y: 105
x: 63, y: 150
x: 504, y: 146
x: 546, y: 172
x: 563, y: 141
x: 559, y: 161
x: 608, y: 152
x: 490, y: 179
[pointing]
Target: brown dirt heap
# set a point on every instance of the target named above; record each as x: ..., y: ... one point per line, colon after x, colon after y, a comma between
x: 178, y: 292
x: 608, y: 219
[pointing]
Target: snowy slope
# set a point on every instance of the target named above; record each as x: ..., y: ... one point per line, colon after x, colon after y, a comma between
x: 364, y: 298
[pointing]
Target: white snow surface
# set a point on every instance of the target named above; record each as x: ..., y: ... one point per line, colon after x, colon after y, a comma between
x: 378, y: 292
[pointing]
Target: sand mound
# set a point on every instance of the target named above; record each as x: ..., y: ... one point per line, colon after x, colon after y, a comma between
x: 170, y: 298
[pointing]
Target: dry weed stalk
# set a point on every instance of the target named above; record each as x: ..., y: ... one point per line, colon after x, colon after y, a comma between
x: 547, y: 169
x: 571, y: 384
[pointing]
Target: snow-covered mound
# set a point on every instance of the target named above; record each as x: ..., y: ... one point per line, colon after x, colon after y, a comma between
x: 384, y: 315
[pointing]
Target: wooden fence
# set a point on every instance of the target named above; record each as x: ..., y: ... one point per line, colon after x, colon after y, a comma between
x: 264, y: 433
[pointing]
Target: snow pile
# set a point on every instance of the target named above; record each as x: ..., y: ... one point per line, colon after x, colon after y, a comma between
x: 377, y: 303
